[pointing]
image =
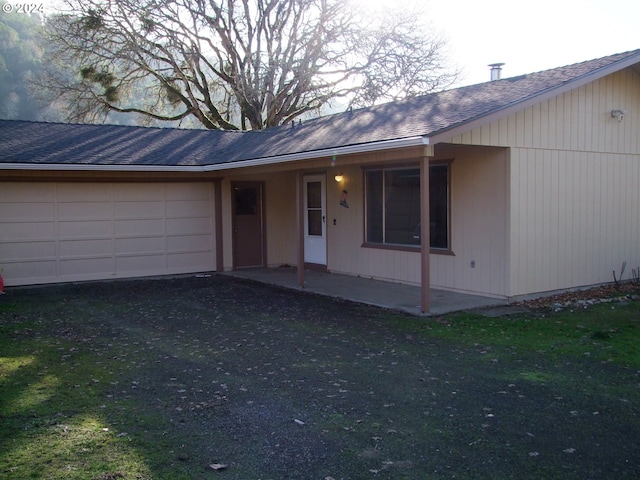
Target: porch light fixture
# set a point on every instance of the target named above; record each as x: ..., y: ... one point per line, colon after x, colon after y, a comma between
x: 619, y: 114
x: 339, y: 177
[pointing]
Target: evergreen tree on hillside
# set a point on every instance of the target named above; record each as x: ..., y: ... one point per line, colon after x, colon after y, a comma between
x: 21, y: 55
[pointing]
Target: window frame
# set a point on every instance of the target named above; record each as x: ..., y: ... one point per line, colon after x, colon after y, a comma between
x: 406, y: 247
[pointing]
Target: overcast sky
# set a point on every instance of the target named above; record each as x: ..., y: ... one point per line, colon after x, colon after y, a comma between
x: 530, y: 37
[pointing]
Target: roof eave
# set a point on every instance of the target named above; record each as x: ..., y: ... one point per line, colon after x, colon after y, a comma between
x: 260, y: 161
x: 414, y: 141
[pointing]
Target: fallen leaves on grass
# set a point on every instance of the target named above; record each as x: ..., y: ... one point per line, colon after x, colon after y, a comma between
x: 584, y: 298
x: 109, y: 476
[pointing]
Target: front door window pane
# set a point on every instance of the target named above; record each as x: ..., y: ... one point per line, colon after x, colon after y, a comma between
x: 314, y: 195
x: 315, y: 222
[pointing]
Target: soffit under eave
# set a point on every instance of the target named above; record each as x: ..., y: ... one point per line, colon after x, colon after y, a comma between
x: 327, y: 162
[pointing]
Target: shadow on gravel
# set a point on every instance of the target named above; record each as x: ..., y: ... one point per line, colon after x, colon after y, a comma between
x: 264, y: 383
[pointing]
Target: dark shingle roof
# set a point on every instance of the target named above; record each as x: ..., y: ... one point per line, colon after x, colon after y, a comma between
x: 59, y: 143
x: 50, y: 143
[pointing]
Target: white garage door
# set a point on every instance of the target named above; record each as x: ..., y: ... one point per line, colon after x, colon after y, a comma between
x: 56, y: 232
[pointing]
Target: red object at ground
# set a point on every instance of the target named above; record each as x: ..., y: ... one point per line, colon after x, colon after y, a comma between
x: 1, y: 284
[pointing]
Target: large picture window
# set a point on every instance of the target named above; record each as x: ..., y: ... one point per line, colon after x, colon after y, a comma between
x: 393, y: 206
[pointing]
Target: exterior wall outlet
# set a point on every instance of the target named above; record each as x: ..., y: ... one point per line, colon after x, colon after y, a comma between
x: 473, y: 264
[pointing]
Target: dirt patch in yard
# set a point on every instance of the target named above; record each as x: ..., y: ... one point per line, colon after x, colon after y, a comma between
x: 217, y: 377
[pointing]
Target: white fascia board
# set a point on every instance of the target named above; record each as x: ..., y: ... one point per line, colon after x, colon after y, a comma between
x: 75, y: 167
x: 327, y: 152
x: 292, y: 157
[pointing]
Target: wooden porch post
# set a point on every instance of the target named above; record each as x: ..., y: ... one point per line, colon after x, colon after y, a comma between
x: 300, y: 226
x: 217, y: 198
x: 425, y: 231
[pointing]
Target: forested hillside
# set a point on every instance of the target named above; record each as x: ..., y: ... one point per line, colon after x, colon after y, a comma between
x: 24, y: 60
x: 21, y: 57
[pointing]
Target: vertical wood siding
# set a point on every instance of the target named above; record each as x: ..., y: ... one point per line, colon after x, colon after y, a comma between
x: 479, y: 223
x: 574, y: 179
x: 579, y: 120
x: 280, y: 196
x: 575, y: 218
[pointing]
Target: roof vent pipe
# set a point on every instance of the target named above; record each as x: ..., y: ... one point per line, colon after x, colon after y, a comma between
x: 496, y: 71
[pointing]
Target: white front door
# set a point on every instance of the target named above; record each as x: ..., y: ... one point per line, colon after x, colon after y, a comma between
x: 315, y: 224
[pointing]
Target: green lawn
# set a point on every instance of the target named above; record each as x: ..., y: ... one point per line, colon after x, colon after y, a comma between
x: 608, y: 332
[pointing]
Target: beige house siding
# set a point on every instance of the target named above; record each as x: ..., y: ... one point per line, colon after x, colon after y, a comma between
x: 479, y: 223
x: 575, y: 218
x: 346, y: 253
x: 71, y: 231
x: 281, y: 232
x: 574, y: 178
x: 579, y: 120
x: 280, y: 198
x: 478, y: 216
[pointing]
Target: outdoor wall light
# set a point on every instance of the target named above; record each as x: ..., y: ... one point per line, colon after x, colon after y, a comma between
x: 619, y: 114
x: 339, y: 177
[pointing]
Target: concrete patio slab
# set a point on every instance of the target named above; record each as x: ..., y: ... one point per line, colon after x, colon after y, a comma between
x: 394, y: 296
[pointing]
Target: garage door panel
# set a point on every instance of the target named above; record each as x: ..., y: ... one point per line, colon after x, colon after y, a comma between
x: 85, y: 230
x: 43, y: 270
x: 153, y: 264
x: 138, y: 210
x: 188, y: 226
x: 84, y: 192
x: 27, y: 250
x: 143, y: 245
x: 191, y: 261
x: 62, y: 231
x: 189, y: 243
x: 138, y: 192
x: 139, y: 227
x: 25, y: 211
x: 15, y: 192
x: 195, y: 208
x: 85, y: 211
x: 85, y: 268
x: 188, y: 191
x: 88, y: 247
x: 25, y: 232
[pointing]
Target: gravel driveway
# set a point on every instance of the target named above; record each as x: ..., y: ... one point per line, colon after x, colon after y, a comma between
x: 276, y: 384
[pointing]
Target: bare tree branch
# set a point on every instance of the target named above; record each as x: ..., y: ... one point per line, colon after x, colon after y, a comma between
x: 235, y: 64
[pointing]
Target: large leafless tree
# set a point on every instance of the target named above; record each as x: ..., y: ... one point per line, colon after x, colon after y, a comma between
x: 236, y: 64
